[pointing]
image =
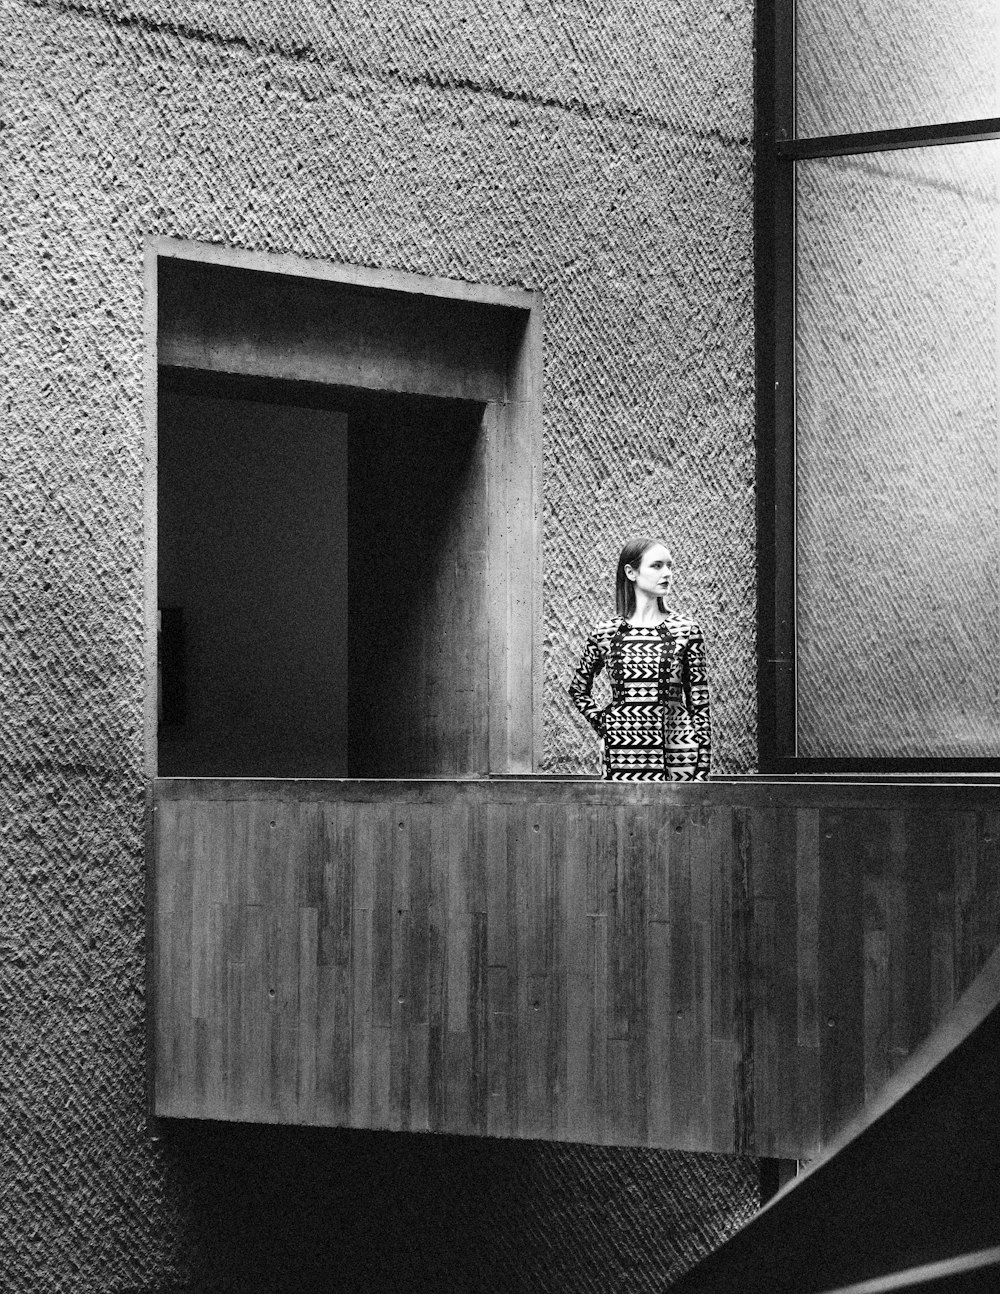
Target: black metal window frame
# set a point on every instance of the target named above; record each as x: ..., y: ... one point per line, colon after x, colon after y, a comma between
x: 777, y: 149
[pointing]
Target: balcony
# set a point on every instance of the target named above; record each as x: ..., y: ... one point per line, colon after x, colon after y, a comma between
x: 725, y: 967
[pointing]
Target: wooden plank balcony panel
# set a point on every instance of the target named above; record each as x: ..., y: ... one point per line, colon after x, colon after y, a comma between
x: 725, y: 967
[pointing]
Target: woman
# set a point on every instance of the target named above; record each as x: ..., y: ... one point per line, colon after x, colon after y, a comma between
x: 657, y: 726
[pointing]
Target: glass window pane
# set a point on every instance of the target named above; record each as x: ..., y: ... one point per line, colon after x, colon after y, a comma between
x: 879, y: 64
x: 897, y: 513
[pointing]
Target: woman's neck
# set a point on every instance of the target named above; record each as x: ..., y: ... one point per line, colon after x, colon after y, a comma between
x: 647, y: 610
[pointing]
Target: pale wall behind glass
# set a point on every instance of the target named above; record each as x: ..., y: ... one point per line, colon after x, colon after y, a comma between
x: 877, y: 64
x: 897, y: 511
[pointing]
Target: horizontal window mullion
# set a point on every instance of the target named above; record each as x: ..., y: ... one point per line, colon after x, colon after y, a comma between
x: 878, y: 141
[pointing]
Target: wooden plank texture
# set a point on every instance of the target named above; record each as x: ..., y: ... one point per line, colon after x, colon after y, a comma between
x: 559, y: 960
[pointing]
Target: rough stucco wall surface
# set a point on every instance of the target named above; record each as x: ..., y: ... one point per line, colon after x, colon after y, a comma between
x: 601, y: 156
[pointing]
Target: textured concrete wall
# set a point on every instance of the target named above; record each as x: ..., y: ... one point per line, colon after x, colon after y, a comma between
x: 600, y: 154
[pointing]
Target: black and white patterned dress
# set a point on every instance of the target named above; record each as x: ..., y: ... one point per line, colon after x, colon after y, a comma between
x: 657, y: 727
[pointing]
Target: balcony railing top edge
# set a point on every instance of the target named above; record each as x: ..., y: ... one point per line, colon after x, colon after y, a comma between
x: 875, y: 792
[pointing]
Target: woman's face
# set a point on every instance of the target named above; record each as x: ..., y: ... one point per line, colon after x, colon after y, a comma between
x: 655, y: 572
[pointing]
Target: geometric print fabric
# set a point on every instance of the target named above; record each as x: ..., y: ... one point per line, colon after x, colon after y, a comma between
x: 657, y: 726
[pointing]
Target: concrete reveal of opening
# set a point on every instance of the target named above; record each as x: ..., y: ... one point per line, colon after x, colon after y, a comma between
x: 409, y: 506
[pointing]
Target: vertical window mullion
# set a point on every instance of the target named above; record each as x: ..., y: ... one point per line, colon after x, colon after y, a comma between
x: 775, y: 299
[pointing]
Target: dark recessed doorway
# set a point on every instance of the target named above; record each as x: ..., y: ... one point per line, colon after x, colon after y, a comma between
x: 325, y: 551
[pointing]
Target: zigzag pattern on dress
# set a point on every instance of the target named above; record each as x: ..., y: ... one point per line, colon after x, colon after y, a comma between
x: 641, y: 775
x: 622, y: 757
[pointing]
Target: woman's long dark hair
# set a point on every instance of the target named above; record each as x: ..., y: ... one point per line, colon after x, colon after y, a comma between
x: 631, y: 555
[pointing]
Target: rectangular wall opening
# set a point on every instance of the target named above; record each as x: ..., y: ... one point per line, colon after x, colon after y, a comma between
x: 325, y: 552
x: 343, y: 487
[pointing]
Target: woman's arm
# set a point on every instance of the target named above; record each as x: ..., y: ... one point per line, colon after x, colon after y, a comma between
x: 591, y: 664
x: 695, y: 679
